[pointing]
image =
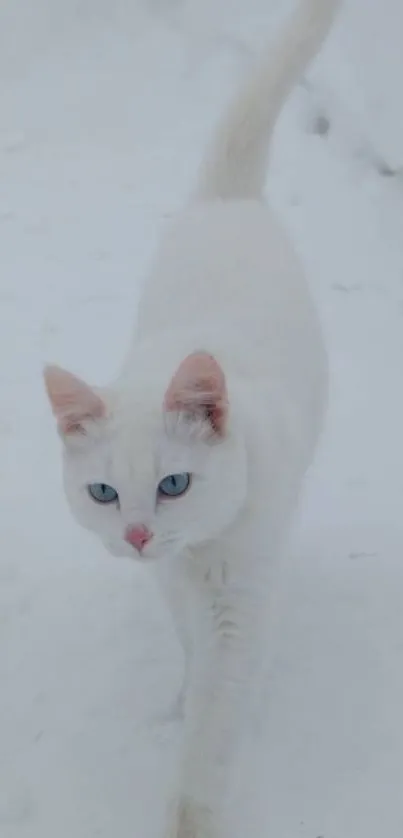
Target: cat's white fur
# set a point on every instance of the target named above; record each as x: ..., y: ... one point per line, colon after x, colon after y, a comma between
x: 226, y: 282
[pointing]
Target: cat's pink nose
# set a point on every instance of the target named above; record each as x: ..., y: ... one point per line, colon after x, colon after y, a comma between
x: 138, y: 537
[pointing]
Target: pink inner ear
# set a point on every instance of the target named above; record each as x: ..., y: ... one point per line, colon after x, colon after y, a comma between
x: 199, y: 387
x: 72, y: 400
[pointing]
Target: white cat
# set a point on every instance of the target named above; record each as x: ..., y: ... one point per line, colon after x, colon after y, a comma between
x: 196, y: 453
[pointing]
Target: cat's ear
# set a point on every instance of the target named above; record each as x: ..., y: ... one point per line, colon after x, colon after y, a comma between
x: 198, y: 387
x: 73, y: 402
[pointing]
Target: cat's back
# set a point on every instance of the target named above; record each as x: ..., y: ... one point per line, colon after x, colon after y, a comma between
x: 226, y: 281
x: 227, y: 266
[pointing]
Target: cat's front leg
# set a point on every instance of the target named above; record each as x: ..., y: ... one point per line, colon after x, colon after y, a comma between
x: 176, y: 592
x: 218, y: 706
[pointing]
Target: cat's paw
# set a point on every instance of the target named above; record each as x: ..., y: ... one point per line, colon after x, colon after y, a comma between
x: 177, y: 710
x: 190, y: 819
x: 162, y: 724
x: 174, y: 713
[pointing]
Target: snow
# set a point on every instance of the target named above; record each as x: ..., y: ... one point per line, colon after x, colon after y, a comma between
x: 106, y: 108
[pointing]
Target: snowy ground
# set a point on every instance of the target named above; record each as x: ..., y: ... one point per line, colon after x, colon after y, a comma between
x: 105, y: 110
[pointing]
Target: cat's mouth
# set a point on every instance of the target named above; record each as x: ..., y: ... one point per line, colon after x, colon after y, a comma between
x: 159, y: 548
x: 148, y: 553
x: 153, y: 551
x: 122, y: 550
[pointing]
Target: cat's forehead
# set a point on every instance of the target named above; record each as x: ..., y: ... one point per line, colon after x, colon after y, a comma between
x: 135, y: 435
x: 143, y: 444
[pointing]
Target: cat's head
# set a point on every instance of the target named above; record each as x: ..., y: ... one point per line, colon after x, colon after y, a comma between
x: 151, y: 473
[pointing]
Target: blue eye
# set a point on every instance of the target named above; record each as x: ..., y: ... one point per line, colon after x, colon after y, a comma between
x: 103, y: 493
x: 174, y: 485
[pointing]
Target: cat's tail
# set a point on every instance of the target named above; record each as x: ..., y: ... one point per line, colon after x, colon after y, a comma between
x: 236, y: 163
